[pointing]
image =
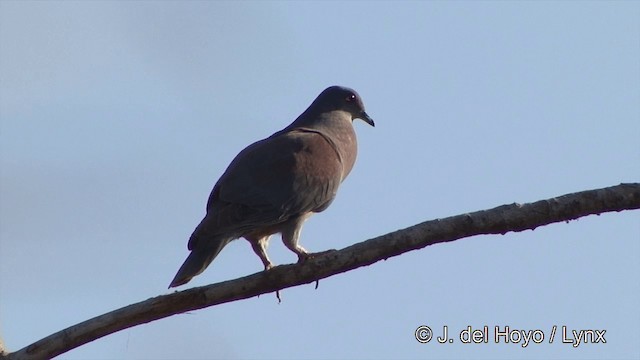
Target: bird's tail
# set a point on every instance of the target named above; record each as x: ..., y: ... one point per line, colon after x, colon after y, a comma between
x: 197, y: 261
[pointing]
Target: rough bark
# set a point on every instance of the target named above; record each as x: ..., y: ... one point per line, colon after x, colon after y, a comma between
x: 499, y: 220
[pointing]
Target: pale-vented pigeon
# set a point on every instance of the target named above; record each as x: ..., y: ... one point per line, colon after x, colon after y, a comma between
x: 275, y: 184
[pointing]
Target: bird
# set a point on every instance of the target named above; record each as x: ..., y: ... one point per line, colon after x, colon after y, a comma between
x: 275, y: 184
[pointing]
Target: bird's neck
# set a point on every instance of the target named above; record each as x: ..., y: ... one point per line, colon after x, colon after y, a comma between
x: 337, y: 127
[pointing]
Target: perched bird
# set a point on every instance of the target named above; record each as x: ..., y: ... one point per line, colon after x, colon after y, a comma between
x: 275, y: 184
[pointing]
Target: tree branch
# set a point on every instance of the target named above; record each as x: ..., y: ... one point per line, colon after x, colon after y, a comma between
x: 499, y: 220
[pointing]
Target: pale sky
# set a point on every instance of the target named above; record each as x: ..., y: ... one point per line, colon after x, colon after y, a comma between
x: 116, y: 119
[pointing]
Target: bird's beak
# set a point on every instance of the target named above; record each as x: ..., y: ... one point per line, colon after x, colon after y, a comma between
x: 363, y: 115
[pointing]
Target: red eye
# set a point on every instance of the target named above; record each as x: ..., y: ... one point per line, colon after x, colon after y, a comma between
x: 351, y: 97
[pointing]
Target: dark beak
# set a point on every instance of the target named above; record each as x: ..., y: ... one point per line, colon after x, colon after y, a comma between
x: 363, y: 115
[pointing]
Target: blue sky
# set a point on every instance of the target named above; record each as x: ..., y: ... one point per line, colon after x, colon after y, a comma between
x: 116, y: 119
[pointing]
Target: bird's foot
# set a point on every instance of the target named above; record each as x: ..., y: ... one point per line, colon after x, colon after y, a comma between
x: 302, y: 257
x: 320, y: 253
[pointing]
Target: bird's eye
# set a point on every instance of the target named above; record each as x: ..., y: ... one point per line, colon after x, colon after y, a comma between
x: 351, y: 97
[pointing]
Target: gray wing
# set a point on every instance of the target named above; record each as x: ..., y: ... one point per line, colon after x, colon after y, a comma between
x: 269, y: 182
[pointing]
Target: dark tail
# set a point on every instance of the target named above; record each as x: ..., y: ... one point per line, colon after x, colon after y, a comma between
x: 196, y: 262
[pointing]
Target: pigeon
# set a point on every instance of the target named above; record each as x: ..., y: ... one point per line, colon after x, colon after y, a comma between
x: 275, y: 184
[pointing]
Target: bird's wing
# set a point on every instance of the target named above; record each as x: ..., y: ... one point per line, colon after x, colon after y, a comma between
x: 272, y: 180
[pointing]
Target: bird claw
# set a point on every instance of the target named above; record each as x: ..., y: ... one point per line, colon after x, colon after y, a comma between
x: 305, y: 256
x: 320, y: 253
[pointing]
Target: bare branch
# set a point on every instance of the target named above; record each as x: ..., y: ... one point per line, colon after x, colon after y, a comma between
x: 499, y: 220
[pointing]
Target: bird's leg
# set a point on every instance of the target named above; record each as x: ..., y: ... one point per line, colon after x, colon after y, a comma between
x: 290, y: 235
x: 259, y: 246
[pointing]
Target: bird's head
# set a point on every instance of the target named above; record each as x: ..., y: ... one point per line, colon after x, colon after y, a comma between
x: 344, y: 99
